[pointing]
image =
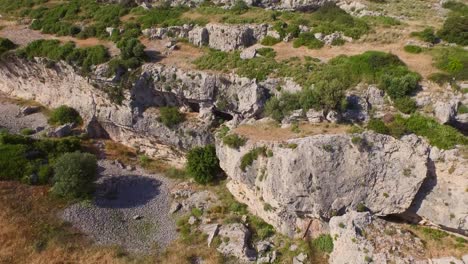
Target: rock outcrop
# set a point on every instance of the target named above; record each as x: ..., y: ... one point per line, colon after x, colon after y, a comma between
x: 320, y: 176
x: 135, y: 122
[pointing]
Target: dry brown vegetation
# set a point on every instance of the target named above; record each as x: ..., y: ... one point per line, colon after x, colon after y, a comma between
x: 30, y: 231
x: 271, y: 131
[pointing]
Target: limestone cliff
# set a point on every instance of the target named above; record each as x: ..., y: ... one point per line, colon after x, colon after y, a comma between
x: 320, y: 176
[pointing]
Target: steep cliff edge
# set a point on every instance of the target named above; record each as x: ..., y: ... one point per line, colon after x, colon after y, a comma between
x: 135, y: 122
x: 320, y: 176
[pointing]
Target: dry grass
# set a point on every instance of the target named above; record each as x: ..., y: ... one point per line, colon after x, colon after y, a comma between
x: 30, y: 231
x: 272, y: 132
x: 437, y: 248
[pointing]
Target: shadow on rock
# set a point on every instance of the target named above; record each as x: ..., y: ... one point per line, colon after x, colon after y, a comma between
x: 125, y: 191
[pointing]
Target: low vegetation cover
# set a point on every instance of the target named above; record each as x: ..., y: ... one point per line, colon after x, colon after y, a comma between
x: 413, y: 49
x: 203, y: 164
x: 234, y: 141
x: 453, y: 61
x: 441, y: 136
x: 53, y: 50
x: 31, y: 160
x: 64, y: 115
x: 251, y: 156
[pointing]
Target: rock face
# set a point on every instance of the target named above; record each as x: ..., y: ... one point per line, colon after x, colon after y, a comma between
x: 320, y: 176
x: 228, y: 37
x: 362, y: 238
x: 282, y: 4
x: 442, y: 200
x: 135, y: 122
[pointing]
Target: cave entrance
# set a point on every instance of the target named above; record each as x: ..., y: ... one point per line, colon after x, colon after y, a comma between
x: 194, y: 107
x: 222, y: 115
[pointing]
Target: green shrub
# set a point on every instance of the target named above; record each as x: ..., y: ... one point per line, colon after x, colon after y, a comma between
x: 441, y: 136
x: 413, y: 49
x: 52, y: 49
x: 406, y: 105
x: 131, y: 48
x: 63, y: 115
x: 162, y: 16
x: 13, y: 162
x: 323, y: 243
x: 234, y: 141
x: 452, y: 60
x: 269, y: 41
x: 202, y: 164
x: 427, y: 35
x: 27, y: 131
x: 239, y: 7
x: 74, y: 175
x: 462, y: 109
x: 267, y: 52
x: 455, y: 28
x: 251, y: 156
x: 171, y: 116
x: 6, y: 45
x: 400, y: 86
x: 260, y: 228
x: 44, y: 174
x: 378, y: 126
x: 308, y: 40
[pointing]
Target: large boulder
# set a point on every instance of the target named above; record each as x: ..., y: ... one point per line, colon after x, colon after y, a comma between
x: 445, y: 111
x: 234, y: 242
x: 318, y: 176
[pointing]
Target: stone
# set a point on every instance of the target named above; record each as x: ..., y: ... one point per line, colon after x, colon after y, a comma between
x: 375, y: 96
x: 299, y: 259
x: 331, y: 177
x: 330, y: 39
x: 263, y: 246
x: 137, y: 217
x: 248, y: 53
x: 235, y: 239
x: 333, y: 117
x: 61, y: 131
x: 192, y: 220
x: 110, y: 30
x: 29, y: 110
x: 211, y: 230
x: 130, y: 167
x: 293, y: 247
x: 175, y: 206
x: 445, y: 111
x: 119, y: 164
x: 314, y: 116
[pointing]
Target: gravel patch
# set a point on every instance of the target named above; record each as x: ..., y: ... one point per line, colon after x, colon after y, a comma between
x: 130, y: 208
x: 10, y: 120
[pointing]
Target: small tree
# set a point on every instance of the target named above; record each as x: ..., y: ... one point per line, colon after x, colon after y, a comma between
x: 64, y: 114
x: 203, y: 164
x: 74, y: 175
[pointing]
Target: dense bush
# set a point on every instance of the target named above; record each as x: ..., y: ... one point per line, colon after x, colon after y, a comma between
x: 308, y: 40
x: 63, y: 115
x: 279, y: 107
x: 413, y: 49
x: 406, y: 105
x: 239, y: 7
x: 74, y: 175
x: 267, y: 52
x: 131, y: 48
x: 323, y: 243
x: 23, y: 156
x: 170, y: 116
x: 455, y: 28
x: 203, y: 164
x: 441, y: 136
x: 13, y: 162
x: 162, y: 16
x: 6, y: 45
x: 52, y: 49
